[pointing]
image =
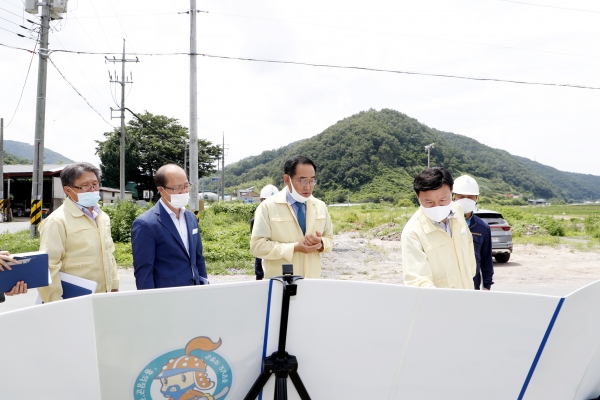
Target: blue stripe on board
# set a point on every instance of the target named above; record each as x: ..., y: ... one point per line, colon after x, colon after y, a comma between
x: 264, y: 353
x: 540, y: 349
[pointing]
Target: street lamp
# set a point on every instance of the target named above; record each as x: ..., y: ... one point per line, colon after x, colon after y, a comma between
x: 428, y: 148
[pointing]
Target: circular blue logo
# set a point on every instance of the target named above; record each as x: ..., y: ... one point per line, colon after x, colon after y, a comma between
x: 184, y: 373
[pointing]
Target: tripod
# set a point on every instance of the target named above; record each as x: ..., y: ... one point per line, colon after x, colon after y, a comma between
x: 280, y: 362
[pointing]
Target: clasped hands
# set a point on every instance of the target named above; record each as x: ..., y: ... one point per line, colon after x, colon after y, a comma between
x: 20, y: 287
x: 310, y: 243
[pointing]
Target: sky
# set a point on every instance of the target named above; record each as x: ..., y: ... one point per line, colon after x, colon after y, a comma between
x: 261, y: 106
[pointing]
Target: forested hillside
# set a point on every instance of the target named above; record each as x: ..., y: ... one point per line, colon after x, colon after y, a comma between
x: 376, y: 154
x: 11, y: 159
x: 24, y: 151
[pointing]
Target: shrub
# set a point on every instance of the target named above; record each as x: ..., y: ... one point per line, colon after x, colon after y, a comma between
x: 122, y: 214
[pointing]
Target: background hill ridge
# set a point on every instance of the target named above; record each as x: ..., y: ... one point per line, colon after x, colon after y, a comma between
x: 374, y: 155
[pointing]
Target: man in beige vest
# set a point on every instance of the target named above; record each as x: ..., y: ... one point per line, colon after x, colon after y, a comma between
x: 76, y: 235
x: 293, y: 227
x: 437, y: 246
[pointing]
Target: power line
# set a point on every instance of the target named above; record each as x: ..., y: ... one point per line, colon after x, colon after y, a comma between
x: 14, y: 23
x: 307, y: 64
x: 11, y: 4
x: 121, y: 25
x: 376, y: 31
x: 24, y: 83
x: 10, y: 12
x: 18, y: 34
x: 544, y: 5
x: 101, y: 27
x: 77, y: 91
x: 76, y: 65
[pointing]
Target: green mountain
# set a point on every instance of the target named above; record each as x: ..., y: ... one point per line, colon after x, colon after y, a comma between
x: 25, y: 151
x: 10, y: 159
x: 375, y: 155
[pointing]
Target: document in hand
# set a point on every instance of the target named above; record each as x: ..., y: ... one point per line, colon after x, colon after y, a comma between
x: 74, y: 286
x: 32, y: 268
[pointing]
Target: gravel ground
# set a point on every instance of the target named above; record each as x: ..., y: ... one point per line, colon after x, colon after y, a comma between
x: 557, y: 270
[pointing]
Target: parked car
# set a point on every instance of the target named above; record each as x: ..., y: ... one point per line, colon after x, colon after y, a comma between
x: 502, y: 244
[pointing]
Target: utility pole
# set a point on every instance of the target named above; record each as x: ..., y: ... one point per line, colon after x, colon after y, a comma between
x: 37, y: 185
x: 123, y: 81
x: 2, y: 169
x: 193, y: 111
x: 428, y: 148
x: 223, y: 170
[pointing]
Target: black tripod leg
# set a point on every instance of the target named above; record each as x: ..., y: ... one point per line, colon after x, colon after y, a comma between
x: 299, y: 385
x: 281, y: 388
x: 258, y: 385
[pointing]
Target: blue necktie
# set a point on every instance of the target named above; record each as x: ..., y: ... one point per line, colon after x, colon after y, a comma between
x: 301, y: 217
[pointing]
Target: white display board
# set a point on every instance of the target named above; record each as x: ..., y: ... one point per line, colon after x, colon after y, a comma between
x: 352, y: 340
x: 367, y: 340
x: 569, y: 367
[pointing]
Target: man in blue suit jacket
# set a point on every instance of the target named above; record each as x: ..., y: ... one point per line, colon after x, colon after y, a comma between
x: 166, y: 243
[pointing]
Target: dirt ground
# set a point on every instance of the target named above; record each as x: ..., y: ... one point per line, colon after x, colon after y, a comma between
x: 375, y: 260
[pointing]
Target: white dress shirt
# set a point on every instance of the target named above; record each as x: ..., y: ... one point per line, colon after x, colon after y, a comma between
x: 179, y: 223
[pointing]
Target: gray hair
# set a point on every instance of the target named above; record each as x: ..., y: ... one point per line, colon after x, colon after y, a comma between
x: 73, y: 171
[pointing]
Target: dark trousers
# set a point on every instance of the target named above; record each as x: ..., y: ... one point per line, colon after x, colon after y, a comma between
x: 258, y: 269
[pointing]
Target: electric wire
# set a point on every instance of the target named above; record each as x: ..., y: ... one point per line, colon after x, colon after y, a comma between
x: 84, y: 30
x: 10, y: 12
x: 79, y: 69
x: 374, y: 31
x: 163, y: 27
x: 33, y: 53
x: 18, y: 34
x: 14, y: 23
x: 77, y: 91
x: 121, y: 25
x: 333, y: 66
x: 365, y: 69
x: 99, y: 22
x: 544, y: 5
x: 11, y: 4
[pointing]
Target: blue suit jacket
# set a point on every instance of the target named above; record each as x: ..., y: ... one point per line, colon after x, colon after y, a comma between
x: 482, y: 241
x: 159, y: 256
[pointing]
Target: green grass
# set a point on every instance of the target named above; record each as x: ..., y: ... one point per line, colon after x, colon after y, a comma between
x: 368, y: 216
x: 19, y: 242
x: 225, y: 230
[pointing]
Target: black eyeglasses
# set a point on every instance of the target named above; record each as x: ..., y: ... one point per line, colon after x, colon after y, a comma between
x: 87, y: 188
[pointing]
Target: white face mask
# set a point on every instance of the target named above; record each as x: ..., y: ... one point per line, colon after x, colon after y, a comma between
x: 179, y: 200
x: 467, y: 205
x: 295, y: 195
x: 88, y: 199
x: 438, y: 213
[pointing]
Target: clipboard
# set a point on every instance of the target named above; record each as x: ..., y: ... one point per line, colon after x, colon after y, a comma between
x: 32, y: 268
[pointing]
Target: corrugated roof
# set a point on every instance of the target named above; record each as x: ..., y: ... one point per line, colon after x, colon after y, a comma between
x: 28, y: 168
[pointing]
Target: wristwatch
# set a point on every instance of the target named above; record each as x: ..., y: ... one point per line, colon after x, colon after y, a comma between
x: 322, y: 247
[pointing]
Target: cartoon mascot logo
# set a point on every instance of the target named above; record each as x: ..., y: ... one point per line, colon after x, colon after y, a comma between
x: 197, y: 373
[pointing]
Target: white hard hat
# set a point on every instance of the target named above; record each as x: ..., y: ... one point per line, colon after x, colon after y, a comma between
x: 465, y: 185
x: 268, y: 191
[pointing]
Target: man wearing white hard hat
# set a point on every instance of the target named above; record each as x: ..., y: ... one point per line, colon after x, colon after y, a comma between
x: 265, y: 193
x: 465, y: 192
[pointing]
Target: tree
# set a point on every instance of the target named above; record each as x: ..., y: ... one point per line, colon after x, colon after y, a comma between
x: 147, y: 149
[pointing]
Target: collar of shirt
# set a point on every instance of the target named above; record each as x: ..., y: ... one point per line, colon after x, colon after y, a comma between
x: 171, y: 212
x: 445, y: 226
x: 180, y: 224
x: 92, y: 214
x: 293, y: 203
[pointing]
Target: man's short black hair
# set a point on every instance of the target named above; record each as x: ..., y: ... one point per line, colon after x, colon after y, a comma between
x: 290, y: 165
x: 432, y: 179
